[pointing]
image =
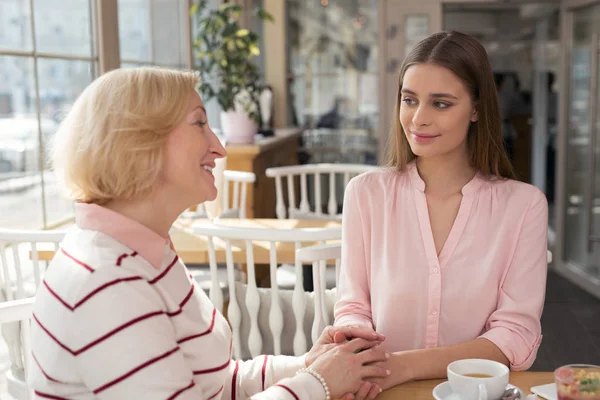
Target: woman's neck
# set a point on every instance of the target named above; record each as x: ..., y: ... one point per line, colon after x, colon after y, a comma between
x: 447, y: 174
x: 153, y: 211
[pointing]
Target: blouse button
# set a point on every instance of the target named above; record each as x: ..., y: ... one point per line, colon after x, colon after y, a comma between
x: 435, y: 270
x: 434, y: 312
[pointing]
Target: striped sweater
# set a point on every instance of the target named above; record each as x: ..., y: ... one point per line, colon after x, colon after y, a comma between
x: 115, y: 322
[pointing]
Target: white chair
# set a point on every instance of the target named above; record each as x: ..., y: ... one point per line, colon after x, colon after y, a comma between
x: 318, y: 256
x: 19, y: 256
x: 315, y: 172
x: 258, y: 316
x: 18, y: 312
x: 22, y: 273
x: 229, y: 208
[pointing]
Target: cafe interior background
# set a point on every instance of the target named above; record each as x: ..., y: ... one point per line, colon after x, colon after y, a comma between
x: 328, y: 69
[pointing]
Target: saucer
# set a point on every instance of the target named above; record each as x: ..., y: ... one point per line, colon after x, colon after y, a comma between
x: 444, y: 392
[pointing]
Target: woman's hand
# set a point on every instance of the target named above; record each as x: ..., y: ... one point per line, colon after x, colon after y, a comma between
x: 399, y: 364
x: 333, y: 335
x: 346, y: 367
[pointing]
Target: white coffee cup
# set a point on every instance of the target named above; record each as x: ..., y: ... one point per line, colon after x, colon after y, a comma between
x: 478, y: 388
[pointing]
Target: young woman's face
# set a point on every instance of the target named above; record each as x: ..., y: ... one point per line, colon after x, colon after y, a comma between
x: 190, y: 154
x: 435, y: 110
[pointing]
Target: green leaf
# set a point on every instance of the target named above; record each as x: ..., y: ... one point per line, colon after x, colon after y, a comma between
x: 254, y: 50
x: 242, y: 32
x: 229, y: 7
x: 260, y: 13
x: 194, y: 8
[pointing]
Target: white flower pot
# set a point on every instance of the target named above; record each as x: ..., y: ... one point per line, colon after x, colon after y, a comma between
x: 237, y: 127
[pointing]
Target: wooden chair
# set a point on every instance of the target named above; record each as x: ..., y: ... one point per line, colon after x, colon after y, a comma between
x: 19, y: 260
x: 318, y: 256
x: 257, y: 315
x: 314, y: 172
x: 18, y: 312
x: 18, y: 255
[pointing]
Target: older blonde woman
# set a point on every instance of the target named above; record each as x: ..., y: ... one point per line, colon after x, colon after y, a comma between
x: 118, y: 316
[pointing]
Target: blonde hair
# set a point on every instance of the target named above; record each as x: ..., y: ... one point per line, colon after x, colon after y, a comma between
x: 111, y: 143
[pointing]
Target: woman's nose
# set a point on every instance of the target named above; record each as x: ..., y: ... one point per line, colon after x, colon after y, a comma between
x: 217, y: 147
x: 421, y: 117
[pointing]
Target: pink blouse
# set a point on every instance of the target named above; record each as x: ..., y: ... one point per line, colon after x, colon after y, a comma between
x: 488, y: 281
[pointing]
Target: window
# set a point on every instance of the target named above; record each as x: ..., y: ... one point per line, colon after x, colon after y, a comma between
x: 154, y: 32
x: 49, y: 52
x: 47, y: 56
x: 334, y: 76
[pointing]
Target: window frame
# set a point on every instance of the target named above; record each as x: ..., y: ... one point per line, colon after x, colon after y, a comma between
x: 105, y: 56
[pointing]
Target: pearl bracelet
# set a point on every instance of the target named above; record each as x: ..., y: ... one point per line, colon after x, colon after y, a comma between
x: 319, y: 378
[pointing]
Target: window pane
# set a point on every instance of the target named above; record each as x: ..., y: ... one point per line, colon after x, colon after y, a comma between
x: 15, y: 25
x: 134, y: 30
x: 153, y: 31
x: 134, y: 65
x: 334, y: 63
x: 20, y: 180
x: 64, y: 27
x: 168, y: 32
x: 333, y: 53
x: 61, y: 82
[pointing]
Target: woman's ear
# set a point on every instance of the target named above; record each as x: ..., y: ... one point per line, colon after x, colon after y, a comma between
x: 474, y: 114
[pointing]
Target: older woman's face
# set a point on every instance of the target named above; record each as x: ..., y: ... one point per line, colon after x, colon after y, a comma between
x: 191, y: 151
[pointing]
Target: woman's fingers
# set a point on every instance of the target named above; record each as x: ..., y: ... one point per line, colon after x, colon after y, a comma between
x: 373, y: 355
x: 357, y: 345
x: 374, y: 371
x: 363, y: 332
x: 375, y: 390
x: 363, y: 392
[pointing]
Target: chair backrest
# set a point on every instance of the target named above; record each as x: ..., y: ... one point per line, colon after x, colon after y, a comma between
x: 320, y: 175
x: 237, y: 182
x: 240, y: 245
x: 19, y: 255
x: 319, y: 255
x: 15, y: 316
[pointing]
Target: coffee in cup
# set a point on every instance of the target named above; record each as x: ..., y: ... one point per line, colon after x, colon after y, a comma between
x: 478, y: 379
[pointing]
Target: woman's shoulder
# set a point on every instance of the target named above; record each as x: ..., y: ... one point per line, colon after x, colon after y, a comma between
x: 381, y: 178
x: 91, y: 258
x: 516, y: 191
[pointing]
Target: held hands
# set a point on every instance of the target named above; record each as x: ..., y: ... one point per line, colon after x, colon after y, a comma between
x: 346, y: 367
x: 345, y: 357
x: 333, y: 335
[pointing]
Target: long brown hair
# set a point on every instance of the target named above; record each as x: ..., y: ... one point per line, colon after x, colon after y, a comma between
x: 467, y: 59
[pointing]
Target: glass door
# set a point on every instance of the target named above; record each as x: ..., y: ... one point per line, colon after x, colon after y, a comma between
x: 582, y: 183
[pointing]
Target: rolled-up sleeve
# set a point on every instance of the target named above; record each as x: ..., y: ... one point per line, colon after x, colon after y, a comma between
x: 354, y: 304
x: 515, y: 325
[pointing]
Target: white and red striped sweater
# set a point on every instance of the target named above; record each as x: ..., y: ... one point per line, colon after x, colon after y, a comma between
x: 110, y: 324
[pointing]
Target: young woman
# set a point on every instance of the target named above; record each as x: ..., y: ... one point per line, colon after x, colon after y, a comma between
x: 444, y: 252
x: 118, y: 316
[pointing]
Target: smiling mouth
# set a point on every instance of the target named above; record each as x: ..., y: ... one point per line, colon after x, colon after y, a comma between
x: 208, y: 169
x: 423, y: 138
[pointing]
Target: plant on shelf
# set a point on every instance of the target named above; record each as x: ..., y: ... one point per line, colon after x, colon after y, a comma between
x: 225, y: 54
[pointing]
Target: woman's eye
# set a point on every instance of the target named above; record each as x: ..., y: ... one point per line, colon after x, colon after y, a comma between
x: 408, y: 101
x: 441, y: 104
x: 200, y: 123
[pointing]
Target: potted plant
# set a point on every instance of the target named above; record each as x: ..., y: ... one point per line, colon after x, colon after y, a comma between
x: 228, y: 72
